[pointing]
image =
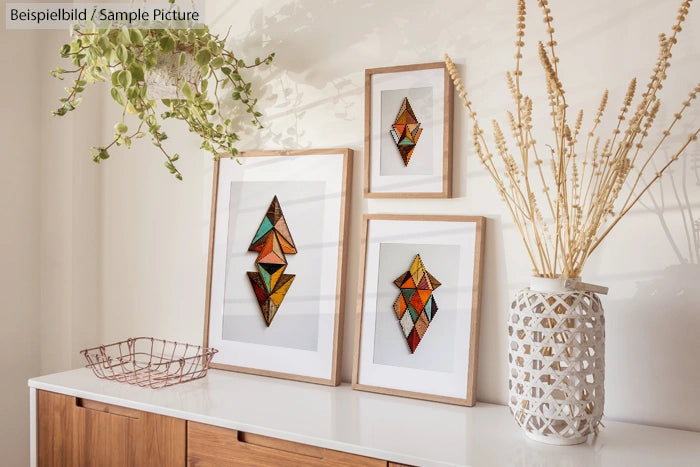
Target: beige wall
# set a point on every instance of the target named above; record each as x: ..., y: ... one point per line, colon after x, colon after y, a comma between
x: 70, y: 218
x: 92, y: 254
x: 19, y: 241
x: 50, y: 242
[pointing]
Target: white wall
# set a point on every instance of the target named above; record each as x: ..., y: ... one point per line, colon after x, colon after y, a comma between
x: 19, y: 248
x: 124, y: 245
x: 68, y: 182
x: 49, y: 200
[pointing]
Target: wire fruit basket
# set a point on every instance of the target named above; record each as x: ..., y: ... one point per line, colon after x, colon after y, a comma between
x: 149, y: 362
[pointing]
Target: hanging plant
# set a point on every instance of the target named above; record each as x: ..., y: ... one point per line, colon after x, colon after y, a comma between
x: 202, y: 73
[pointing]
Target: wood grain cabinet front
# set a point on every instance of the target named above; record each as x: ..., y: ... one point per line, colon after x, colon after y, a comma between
x: 80, y: 432
x: 209, y: 446
x: 72, y: 431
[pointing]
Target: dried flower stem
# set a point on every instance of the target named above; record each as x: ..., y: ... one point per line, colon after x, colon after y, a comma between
x: 586, y: 193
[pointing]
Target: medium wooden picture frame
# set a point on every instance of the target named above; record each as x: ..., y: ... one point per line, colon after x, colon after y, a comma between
x: 277, y: 255
x: 408, y: 132
x: 418, y: 305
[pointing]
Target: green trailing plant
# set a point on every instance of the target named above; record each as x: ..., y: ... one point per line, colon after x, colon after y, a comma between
x: 124, y: 57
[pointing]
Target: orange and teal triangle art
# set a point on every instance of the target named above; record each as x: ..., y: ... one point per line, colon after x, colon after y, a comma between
x: 272, y: 241
x: 419, y: 302
x: 405, y: 131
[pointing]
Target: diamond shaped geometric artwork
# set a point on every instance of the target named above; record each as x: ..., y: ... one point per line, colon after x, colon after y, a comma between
x: 271, y: 241
x: 406, y: 131
x: 415, y: 306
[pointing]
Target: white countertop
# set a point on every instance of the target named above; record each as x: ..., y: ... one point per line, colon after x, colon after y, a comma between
x: 386, y: 427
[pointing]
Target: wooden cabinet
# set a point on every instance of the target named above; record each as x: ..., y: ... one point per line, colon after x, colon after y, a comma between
x: 80, y: 432
x: 72, y: 431
x: 209, y: 446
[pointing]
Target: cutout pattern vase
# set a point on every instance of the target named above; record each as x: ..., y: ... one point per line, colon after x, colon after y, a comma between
x: 556, y: 356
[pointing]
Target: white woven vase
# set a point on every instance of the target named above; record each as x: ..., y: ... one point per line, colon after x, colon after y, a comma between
x: 556, y: 358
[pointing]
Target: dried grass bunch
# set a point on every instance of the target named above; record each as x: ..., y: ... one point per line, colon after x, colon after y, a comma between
x: 567, y: 199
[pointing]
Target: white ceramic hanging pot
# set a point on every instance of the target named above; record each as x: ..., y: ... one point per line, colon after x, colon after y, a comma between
x: 556, y: 337
x: 163, y: 79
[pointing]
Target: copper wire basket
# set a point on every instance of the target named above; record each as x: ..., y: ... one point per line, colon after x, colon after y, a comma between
x: 149, y: 362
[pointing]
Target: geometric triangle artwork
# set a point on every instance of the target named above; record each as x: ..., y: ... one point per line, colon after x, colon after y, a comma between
x: 406, y: 131
x: 415, y: 307
x: 271, y: 241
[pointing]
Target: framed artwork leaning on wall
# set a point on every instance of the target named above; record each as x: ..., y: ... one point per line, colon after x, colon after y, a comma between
x: 277, y: 263
x: 408, y: 132
x: 418, y: 307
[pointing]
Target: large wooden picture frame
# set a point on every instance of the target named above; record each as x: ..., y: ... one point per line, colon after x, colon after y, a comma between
x: 408, y: 132
x: 277, y: 263
x: 418, y: 307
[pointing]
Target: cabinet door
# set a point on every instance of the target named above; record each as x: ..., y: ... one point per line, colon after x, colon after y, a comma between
x: 210, y: 446
x: 81, y: 432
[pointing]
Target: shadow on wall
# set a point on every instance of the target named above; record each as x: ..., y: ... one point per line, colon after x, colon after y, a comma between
x: 657, y: 365
x: 684, y: 185
x: 659, y: 362
x: 322, y: 50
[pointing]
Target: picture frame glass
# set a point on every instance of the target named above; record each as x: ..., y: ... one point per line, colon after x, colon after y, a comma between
x: 418, y: 307
x: 408, y: 134
x: 276, y: 264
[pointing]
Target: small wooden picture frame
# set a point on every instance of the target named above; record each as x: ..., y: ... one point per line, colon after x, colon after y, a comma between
x: 408, y: 132
x: 418, y: 307
x: 277, y: 253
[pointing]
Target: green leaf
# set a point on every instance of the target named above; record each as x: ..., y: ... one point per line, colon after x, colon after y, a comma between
x: 117, y: 96
x: 202, y: 57
x: 217, y: 63
x: 103, y: 154
x: 204, y: 85
x: 166, y: 44
x: 187, y: 91
x: 183, y: 57
x: 121, y: 128
x: 136, y: 36
x: 115, y: 78
x: 65, y: 50
x: 122, y: 53
x: 124, y: 78
x: 150, y: 60
x: 104, y: 44
x: 125, y: 36
x: 137, y: 71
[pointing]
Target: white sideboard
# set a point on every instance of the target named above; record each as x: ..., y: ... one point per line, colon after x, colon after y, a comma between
x: 384, y: 427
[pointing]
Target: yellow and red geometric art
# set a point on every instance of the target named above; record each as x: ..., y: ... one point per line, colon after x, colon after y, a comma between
x: 406, y: 131
x: 271, y: 241
x: 415, y: 307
